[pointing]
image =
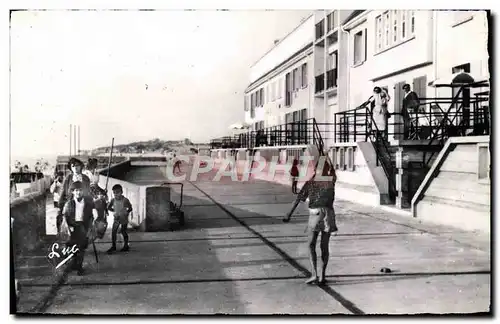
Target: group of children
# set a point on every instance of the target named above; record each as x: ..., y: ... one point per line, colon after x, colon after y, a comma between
x: 85, y: 208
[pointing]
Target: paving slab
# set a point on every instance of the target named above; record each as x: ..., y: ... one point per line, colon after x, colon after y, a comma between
x: 237, y: 297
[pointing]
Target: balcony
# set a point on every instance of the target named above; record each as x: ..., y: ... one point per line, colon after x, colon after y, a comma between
x: 319, y: 83
x: 320, y: 29
x: 331, y: 80
x: 331, y: 22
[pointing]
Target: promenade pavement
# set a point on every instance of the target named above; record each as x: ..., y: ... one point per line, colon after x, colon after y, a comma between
x: 235, y: 256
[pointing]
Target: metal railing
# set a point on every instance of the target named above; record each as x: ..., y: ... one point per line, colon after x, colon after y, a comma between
x: 353, y: 125
x: 293, y: 133
x: 427, y: 122
x: 465, y: 116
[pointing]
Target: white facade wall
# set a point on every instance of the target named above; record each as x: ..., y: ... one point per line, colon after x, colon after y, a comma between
x: 461, y: 38
x: 289, y: 45
x: 435, y: 48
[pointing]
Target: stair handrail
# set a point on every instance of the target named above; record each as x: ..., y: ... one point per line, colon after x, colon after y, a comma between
x: 387, y: 167
x: 441, y: 124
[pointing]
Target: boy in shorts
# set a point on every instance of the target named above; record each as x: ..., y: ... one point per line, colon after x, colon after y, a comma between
x: 121, y: 208
x: 321, y: 195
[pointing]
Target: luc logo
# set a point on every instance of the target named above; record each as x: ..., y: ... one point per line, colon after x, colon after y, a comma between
x: 57, y: 253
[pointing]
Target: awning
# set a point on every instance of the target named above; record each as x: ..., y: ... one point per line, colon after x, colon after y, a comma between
x: 457, y: 80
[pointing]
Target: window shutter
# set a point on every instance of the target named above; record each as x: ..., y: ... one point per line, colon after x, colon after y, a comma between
x: 416, y: 86
x: 398, y: 96
x: 423, y: 86
x: 420, y: 86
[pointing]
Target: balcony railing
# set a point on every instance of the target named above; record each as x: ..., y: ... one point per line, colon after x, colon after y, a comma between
x: 419, y: 124
x: 319, y: 83
x: 331, y: 79
x: 294, y: 133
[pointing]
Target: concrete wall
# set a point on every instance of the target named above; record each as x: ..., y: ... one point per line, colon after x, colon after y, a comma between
x: 452, y: 192
x: 40, y: 185
x: 460, y: 43
x: 360, y: 180
x: 116, y: 171
x: 28, y: 227
x: 130, y: 190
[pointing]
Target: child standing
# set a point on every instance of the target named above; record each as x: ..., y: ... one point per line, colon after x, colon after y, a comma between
x: 56, y: 188
x: 101, y: 221
x: 79, y: 213
x: 121, y: 207
x: 294, y: 172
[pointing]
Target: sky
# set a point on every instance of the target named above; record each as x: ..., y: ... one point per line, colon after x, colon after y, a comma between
x: 132, y: 75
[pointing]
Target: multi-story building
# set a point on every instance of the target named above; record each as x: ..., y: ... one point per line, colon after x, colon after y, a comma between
x: 395, y: 47
x: 279, y: 90
x: 326, y: 70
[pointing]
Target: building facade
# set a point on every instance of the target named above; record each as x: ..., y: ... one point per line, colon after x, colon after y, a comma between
x: 331, y: 62
x: 280, y: 82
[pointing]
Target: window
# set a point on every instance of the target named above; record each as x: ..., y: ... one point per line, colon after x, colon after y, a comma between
x: 379, y: 37
x: 304, y: 75
x: 360, y: 47
x: 333, y: 157
x: 261, y: 91
x: 320, y: 29
x: 350, y: 158
x: 395, y: 22
x: 288, y: 89
x: 279, y: 90
x: 297, y: 79
x: 331, y: 23
x: 341, y: 158
x: 391, y: 28
x: 412, y: 15
x: 387, y: 29
x: 331, y: 62
x: 403, y: 24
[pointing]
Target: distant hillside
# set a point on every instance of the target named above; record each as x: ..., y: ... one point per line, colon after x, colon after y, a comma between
x: 151, y: 146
